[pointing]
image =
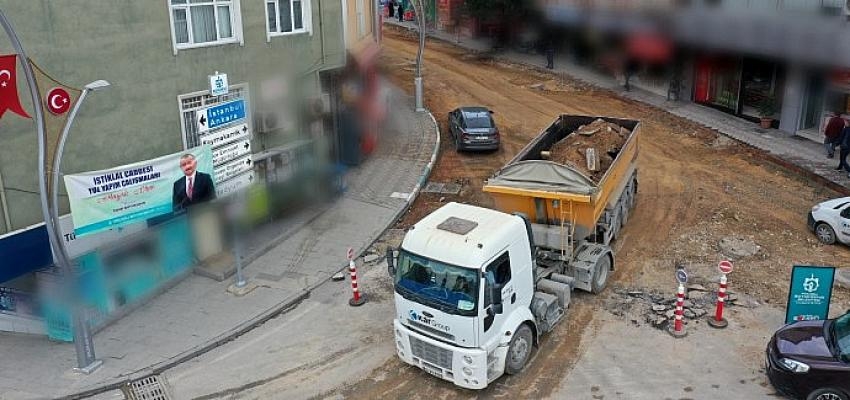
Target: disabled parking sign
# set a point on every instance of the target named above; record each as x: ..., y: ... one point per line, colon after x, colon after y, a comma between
x: 810, y: 293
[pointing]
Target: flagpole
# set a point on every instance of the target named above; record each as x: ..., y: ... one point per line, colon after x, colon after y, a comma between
x: 83, y: 344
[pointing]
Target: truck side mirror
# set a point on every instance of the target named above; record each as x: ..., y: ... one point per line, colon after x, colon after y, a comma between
x: 391, y: 262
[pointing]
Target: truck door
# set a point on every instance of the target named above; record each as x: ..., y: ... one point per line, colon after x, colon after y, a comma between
x: 498, y: 272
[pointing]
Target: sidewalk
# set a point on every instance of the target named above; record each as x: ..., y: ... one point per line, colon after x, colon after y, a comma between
x: 198, y: 314
x: 792, y: 151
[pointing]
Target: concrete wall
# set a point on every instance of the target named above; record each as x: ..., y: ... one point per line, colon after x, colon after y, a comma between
x: 354, y: 32
x: 129, y: 44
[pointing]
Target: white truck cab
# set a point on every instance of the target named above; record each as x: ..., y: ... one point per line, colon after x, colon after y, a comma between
x: 464, y: 282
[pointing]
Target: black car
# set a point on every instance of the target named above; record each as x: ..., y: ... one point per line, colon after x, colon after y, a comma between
x: 811, y: 359
x: 473, y: 128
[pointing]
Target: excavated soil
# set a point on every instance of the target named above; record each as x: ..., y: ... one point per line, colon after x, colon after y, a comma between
x: 606, y: 140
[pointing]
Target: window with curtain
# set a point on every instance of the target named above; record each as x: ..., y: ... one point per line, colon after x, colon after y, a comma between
x: 198, y: 22
x: 286, y: 16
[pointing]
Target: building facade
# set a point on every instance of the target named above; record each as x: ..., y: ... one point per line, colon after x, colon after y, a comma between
x: 159, y: 57
x: 732, y: 55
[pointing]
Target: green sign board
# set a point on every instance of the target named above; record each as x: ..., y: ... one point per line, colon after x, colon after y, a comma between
x: 810, y: 293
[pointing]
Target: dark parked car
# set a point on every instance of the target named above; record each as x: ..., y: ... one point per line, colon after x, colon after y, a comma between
x: 811, y: 359
x: 473, y: 128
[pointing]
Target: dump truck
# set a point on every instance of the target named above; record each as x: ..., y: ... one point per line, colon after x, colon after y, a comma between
x: 475, y: 287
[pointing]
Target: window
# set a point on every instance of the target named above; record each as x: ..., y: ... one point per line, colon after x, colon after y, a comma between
x: 284, y: 17
x: 498, y: 272
x: 197, y: 23
x: 361, y: 18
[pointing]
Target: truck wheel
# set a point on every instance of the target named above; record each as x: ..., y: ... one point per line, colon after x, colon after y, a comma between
x: 825, y: 233
x: 600, y: 275
x: 519, y: 350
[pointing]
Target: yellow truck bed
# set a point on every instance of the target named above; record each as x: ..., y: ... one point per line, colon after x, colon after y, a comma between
x: 549, y: 192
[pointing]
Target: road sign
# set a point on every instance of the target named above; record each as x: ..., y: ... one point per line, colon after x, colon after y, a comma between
x: 231, y: 151
x: 810, y: 293
x: 236, y: 167
x: 234, y: 184
x: 227, y: 135
x: 227, y: 113
x: 725, y: 266
x: 681, y: 276
x: 218, y: 84
x: 202, y: 121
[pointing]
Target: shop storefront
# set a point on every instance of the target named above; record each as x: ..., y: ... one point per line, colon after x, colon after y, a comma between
x: 825, y: 92
x: 738, y: 86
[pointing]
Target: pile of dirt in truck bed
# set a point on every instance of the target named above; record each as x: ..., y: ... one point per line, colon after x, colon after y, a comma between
x: 605, y: 137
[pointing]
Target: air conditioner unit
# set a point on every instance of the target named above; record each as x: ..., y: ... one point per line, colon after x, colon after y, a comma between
x: 268, y: 121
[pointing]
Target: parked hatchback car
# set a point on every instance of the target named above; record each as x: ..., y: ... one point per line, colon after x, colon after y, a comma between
x: 811, y: 359
x: 830, y: 221
x: 473, y: 128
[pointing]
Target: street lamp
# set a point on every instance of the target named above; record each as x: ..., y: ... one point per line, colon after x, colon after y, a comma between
x: 86, y: 360
x: 417, y: 81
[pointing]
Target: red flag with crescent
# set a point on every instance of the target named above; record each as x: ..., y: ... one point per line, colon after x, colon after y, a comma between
x: 9, y: 99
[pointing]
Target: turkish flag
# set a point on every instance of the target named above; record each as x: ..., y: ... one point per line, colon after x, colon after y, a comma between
x: 9, y: 87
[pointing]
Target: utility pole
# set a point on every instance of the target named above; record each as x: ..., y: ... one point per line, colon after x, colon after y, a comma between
x: 418, y: 10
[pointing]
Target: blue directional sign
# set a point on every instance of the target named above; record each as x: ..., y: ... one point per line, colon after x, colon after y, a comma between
x: 225, y: 114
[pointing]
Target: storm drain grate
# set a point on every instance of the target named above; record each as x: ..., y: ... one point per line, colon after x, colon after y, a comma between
x: 153, y: 387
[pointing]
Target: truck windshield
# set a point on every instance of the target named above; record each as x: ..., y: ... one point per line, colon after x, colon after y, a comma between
x: 451, y: 289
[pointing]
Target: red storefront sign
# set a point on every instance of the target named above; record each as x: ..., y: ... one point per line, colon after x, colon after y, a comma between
x: 649, y: 47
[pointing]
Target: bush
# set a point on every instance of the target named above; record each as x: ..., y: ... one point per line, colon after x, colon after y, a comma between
x: 767, y: 107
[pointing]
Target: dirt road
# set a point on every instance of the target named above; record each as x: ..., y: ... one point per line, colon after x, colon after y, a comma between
x: 695, y: 189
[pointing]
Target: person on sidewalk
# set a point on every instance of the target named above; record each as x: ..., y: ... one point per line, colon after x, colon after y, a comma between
x: 631, y: 69
x: 400, y: 10
x: 844, y: 142
x: 831, y: 133
x: 391, y: 8
x: 550, y: 55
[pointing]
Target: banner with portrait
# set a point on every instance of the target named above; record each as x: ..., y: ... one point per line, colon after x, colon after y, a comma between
x: 106, y: 199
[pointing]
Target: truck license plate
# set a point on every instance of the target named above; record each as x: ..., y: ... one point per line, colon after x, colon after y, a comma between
x: 433, y: 371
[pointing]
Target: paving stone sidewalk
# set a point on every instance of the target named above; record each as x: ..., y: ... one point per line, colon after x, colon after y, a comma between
x: 198, y: 314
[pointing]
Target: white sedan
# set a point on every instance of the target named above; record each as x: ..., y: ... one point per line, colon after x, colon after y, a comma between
x: 830, y: 221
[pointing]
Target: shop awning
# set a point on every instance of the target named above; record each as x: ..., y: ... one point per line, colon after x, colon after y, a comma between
x: 649, y: 47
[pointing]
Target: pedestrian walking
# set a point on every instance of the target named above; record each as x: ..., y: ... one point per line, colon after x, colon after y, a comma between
x: 844, y: 142
x: 550, y: 55
x: 391, y: 9
x: 631, y: 69
x: 831, y: 133
x: 400, y: 10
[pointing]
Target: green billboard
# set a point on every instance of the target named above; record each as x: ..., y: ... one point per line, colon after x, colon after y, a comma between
x: 810, y: 293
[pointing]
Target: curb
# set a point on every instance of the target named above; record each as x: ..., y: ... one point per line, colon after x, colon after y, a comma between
x: 156, y: 369
x: 279, y: 309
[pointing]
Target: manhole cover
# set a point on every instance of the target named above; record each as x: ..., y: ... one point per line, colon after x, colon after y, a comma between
x: 433, y: 187
x: 153, y: 387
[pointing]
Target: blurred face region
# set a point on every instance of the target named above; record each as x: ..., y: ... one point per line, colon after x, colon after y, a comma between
x: 188, y: 165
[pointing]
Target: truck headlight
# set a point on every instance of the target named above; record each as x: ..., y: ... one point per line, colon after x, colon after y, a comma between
x: 794, y: 366
x: 467, y: 371
x: 467, y: 359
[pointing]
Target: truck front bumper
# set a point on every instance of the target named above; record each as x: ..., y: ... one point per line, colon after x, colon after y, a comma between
x: 464, y: 367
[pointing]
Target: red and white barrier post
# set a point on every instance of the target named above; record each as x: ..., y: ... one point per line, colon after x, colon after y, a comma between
x: 678, y: 329
x: 718, y: 321
x: 357, y: 299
